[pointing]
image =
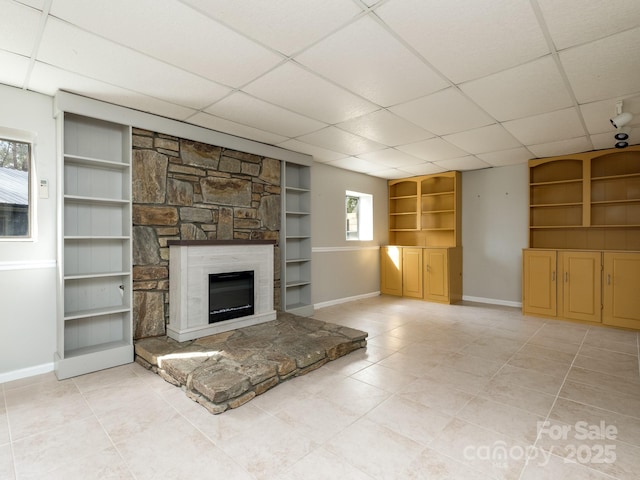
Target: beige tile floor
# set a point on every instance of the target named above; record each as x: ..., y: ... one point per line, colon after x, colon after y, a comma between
x: 441, y: 392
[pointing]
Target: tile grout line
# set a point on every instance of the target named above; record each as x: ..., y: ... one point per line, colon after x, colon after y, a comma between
x: 6, y: 410
x: 535, y: 443
x: 125, y: 463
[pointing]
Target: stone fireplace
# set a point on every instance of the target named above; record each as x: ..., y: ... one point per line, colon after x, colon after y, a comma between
x: 191, y: 263
x: 184, y: 191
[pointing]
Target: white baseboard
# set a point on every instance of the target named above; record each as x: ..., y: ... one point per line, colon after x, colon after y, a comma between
x: 492, y: 301
x: 26, y: 372
x: 338, y: 301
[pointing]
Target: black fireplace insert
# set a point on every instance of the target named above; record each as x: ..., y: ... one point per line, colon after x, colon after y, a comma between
x: 230, y: 295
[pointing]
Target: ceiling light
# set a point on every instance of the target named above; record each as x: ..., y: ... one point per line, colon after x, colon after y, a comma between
x: 623, y: 133
x: 622, y: 144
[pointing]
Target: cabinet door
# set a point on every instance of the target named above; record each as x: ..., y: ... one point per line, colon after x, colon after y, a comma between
x: 391, y: 270
x: 539, y: 282
x: 436, y: 274
x: 621, y: 289
x: 412, y: 272
x: 581, y: 277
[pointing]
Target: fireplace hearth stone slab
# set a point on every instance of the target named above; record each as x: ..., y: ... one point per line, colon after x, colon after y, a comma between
x: 228, y: 369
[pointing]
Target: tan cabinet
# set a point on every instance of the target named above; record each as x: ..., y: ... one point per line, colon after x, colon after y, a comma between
x: 539, y: 291
x: 622, y: 289
x: 580, y: 285
x: 391, y: 270
x: 412, y: 272
x: 584, y: 223
x: 442, y: 274
x: 425, y: 223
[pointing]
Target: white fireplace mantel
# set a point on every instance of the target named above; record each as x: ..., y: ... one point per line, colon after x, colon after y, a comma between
x: 191, y: 263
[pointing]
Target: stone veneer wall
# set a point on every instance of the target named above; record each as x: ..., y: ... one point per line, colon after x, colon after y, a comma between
x: 186, y: 190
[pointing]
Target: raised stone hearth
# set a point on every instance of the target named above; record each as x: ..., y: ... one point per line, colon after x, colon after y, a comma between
x: 228, y: 369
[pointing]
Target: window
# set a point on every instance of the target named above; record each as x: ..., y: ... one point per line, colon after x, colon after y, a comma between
x: 15, y: 188
x: 359, y: 216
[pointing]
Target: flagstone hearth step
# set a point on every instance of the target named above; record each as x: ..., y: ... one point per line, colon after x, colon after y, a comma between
x: 228, y: 369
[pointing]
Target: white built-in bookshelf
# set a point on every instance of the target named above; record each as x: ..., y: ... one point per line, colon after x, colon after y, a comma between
x: 94, y: 254
x: 296, y: 239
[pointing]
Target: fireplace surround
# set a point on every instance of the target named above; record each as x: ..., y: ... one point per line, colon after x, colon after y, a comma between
x: 191, y: 263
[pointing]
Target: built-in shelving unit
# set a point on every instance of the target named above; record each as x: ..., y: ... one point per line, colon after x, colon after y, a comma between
x: 296, y: 239
x: 584, y: 237
x: 424, y: 212
x: 95, y: 307
x: 588, y: 200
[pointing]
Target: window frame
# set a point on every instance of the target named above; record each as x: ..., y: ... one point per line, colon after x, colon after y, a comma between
x: 20, y: 136
x: 364, y: 229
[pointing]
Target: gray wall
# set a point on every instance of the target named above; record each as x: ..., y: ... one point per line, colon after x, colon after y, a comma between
x: 27, y: 268
x: 344, y: 269
x: 494, y: 232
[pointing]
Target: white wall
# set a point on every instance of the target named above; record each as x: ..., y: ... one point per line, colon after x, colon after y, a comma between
x: 494, y: 232
x: 344, y: 269
x: 27, y: 268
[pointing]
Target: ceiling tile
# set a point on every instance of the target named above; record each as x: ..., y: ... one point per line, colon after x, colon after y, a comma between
x: 385, y: 127
x: 39, y: 4
x: 562, y: 147
x: 529, y: 89
x: 482, y: 140
x: 301, y: 91
x: 47, y: 79
x: 512, y: 156
x: 221, y: 125
x: 72, y: 49
x: 546, y: 128
x: 432, y: 150
x: 391, y: 157
x: 424, y: 169
x: 572, y: 22
x: 443, y: 112
x: 14, y: 69
x: 19, y: 26
x: 357, y: 165
x: 366, y: 59
x: 244, y: 109
x: 604, y: 69
x: 340, y: 141
x: 284, y: 25
x: 319, y: 154
x: 467, y: 39
x: 597, y: 115
x: 174, y: 33
x: 390, y: 174
x: 464, y: 163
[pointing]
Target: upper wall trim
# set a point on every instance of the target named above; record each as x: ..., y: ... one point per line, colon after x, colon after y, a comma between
x: 68, y: 102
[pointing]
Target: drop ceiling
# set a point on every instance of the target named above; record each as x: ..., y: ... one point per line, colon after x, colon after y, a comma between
x: 388, y: 88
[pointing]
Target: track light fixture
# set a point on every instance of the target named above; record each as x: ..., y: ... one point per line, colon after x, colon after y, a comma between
x: 621, y: 120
